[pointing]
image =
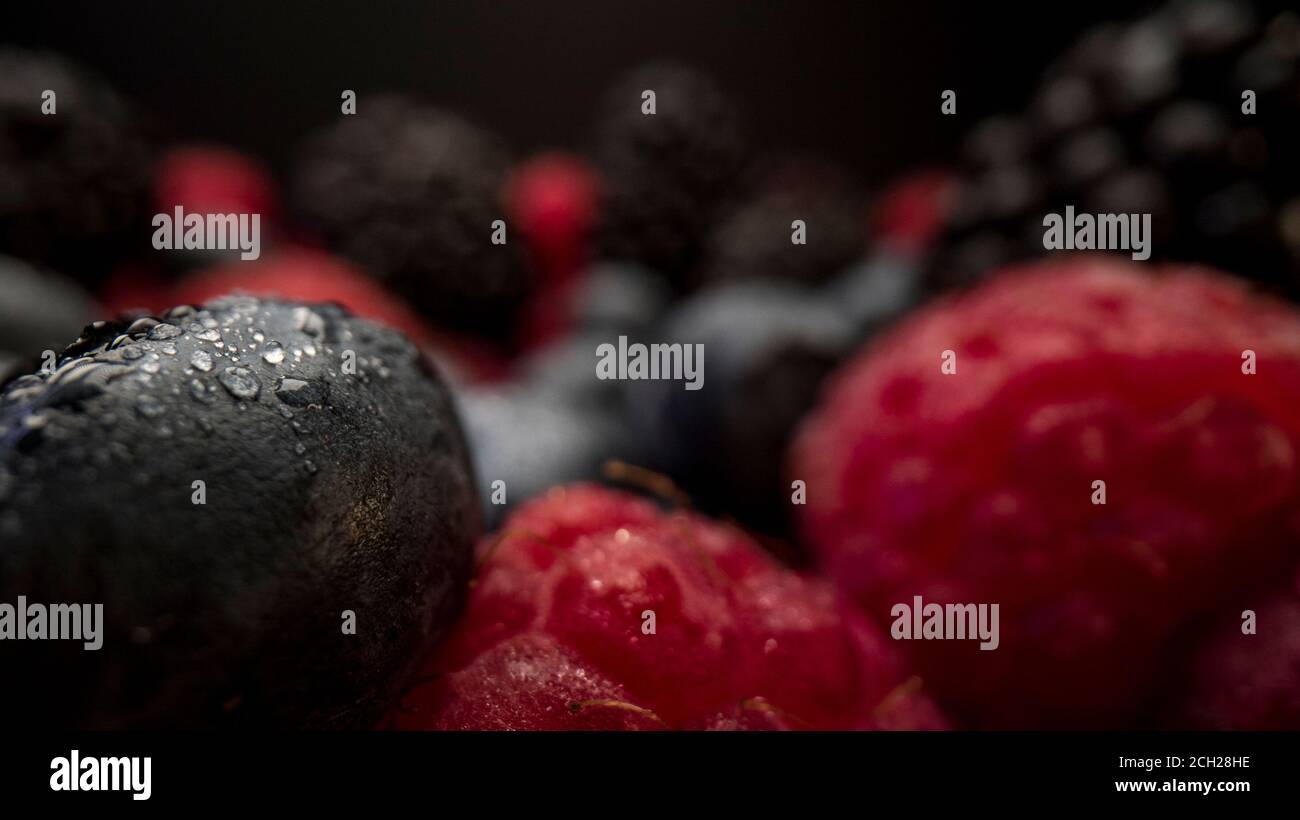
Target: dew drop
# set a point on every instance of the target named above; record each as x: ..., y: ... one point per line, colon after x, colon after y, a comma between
x: 274, y: 353
x: 201, y: 392
x: 301, y: 393
x: 149, y: 407
x: 142, y: 326
x: 132, y: 353
x: 164, y: 331
x: 308, y: 321
x: 200, y: 360
x: 240, y: 382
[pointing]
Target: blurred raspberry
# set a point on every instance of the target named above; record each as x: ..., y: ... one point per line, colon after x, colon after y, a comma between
x: 212, y: 180
x: 1247, y: 681
x: 552, y: 199
x: 977, y: 487
x: 911, y: 212
x: 554, y: 638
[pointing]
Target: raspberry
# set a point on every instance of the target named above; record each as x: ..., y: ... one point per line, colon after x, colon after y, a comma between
x: 552, y: 199
x: 75, y: 187
x: 410, y: 192
x: 1247, y: 681
x: 554, y: 637
x: 211, y: 180
x: 911, y: 212
x: 977, y: 487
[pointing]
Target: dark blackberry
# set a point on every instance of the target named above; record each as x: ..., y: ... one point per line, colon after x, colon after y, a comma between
x: 1145, y: 117
x: 754, y: 241
x: 75, y: 183
x: 410, y: 192
x: 669, y: 176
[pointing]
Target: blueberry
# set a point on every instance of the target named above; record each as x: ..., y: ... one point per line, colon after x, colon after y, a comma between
x: 172, y: 470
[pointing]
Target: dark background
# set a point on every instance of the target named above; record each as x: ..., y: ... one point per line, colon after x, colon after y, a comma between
x: 856, y: 82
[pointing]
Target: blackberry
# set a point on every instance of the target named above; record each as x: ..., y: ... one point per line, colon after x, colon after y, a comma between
x: 75, y: 182
x: 668, y: 176
x: 410, y: 192
x: 755, y: 240
x: 1145, y: 117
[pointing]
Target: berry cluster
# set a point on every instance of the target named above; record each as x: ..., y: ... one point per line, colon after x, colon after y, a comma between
x: 275, y: 472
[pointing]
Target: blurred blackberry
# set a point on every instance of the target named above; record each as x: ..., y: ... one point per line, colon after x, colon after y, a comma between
x: 73, y: 184
x: 667, y: 177
x: 410, y: 192
x: 754, y: 241
x: 1145, y: 117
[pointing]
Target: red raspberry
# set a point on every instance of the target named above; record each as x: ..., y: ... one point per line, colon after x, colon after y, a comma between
x: 977, y: 487
x: 912, y: 212
x: 206, y: 179
x: 305, y: 275
x: 1247, y: 681
x: 553, y: 637
x: 552, y: 198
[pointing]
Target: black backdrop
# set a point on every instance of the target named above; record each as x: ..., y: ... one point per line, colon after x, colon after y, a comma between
x: 857, y: 82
